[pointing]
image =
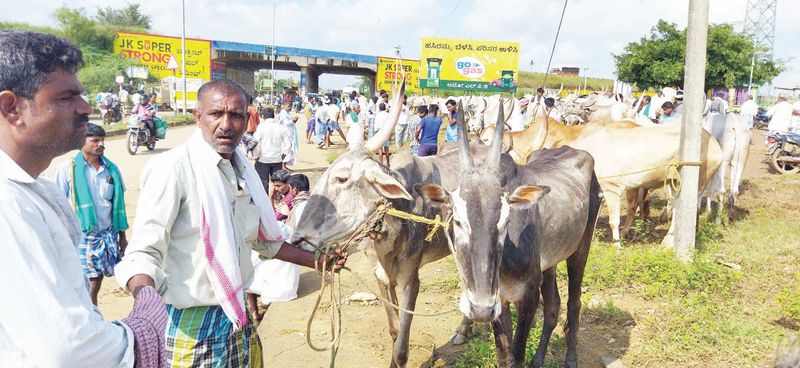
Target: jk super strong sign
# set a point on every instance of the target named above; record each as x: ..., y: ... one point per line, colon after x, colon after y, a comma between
x: 490, y: 66
x: 154, y: 51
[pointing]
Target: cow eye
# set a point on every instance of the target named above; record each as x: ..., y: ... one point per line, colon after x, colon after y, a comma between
x: 341, y: 180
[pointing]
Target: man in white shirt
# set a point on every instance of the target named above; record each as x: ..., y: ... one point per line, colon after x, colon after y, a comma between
x: 749, y: 110
x: 47, y: 318
x: 780, y: 116
x: 401, y: 129
x: 272, y: 150
x: 194, y: 241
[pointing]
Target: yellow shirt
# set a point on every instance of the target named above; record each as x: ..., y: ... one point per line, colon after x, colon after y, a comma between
x: 166, y: 243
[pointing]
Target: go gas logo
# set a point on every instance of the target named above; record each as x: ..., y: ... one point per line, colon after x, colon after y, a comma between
x: 470, y: 67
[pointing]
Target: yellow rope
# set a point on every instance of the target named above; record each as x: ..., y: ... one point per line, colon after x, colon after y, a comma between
x: 365, y: 229
x: 436, y: 222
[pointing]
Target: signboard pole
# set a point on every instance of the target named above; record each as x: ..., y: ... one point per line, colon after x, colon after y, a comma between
x: 174, y: 95
x: 183, y: 51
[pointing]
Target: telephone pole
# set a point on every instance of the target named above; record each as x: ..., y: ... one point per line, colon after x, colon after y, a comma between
x: 685, y: 221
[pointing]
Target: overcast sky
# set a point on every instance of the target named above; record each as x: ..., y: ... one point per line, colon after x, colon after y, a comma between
x: 593, y: 30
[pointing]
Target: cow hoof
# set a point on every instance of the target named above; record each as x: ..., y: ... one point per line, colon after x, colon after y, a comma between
x: 618, y: 244
x: 458, y: 338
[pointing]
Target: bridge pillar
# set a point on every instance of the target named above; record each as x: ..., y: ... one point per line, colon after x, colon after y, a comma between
x: 309, y: 78
x: 244, y: 76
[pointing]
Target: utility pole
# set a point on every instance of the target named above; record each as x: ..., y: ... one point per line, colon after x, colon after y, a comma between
x: 272, y: 59
x: 531, y: 66
x: 685, y: 221
x: 584, y: 79
x: 183, y: 51
x: 752, y: 66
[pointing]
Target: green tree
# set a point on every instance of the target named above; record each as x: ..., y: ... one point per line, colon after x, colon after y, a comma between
x: 658, y: 59
x: 129, y: 16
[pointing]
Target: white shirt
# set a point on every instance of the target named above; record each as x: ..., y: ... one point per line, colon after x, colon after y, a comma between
x: 403, y: 120
x: 274, y: 142
x: 380, y: 118
x: 46, y: 317
x: 749, y: 107
x: 781, y: 117
x: 166, y: 243
x: 617, y: 111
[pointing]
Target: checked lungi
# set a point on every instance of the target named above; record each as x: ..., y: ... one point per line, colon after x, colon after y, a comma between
x: 204, y: 337
x: 99, y: 253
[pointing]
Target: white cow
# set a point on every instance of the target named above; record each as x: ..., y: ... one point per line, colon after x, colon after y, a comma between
x: 734, y: 136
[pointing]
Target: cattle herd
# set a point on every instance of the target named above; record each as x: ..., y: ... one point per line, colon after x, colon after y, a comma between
x: 520, y: 202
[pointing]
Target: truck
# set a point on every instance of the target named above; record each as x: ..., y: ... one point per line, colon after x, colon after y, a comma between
x: 172, y: 92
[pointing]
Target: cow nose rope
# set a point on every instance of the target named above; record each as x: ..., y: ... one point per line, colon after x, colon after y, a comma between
x: 368, y: 228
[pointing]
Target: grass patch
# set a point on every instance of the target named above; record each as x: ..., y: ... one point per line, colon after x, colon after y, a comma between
x: 480, y: 351
x: 651, y: 271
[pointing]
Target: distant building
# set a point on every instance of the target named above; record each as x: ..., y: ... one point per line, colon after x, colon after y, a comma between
x: 566, y: 70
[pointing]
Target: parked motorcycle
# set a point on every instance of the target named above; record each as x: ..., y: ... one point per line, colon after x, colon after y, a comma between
x: 784, y: 153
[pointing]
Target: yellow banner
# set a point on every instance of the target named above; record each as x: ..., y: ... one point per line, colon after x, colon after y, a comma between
x: 154, y: 51
x: 469, y: 64
x: 389, y: 75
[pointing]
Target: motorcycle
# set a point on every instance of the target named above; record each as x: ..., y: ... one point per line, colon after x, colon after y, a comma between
x: 111, y: 113
x: 784, y: 156
x: 139, y: 135
x: 761, y: 120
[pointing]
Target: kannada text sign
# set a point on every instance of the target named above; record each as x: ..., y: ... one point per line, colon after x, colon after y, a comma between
x: 469, y: 64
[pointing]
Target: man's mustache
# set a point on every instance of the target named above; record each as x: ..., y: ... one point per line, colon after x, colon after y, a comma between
x: 225, y: 134
x: 81, y: 119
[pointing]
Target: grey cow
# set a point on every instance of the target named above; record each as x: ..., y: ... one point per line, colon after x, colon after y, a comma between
x: 348, y: 193
x: 512, y: 221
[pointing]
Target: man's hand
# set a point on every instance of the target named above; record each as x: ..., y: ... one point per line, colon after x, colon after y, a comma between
x: 334, y: 260
x: 137, y: 282
x: 282, y: 208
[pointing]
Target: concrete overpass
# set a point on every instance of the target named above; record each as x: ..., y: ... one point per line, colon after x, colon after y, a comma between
x: 241, y: 60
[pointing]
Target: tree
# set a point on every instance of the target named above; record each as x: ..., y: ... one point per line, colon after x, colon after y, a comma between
x: 658, y: 59
x: 129, y: 16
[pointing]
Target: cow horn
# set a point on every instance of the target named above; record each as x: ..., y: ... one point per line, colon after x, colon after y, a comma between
x: 508, y: 108
x: 463, y: 140
x: 541, y: 134
x: 497, y: 141
x: 559, y: 90
x: 382, y: 136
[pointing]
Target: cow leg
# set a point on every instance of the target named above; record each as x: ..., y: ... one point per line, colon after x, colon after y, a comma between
x: 386, y: 289
x: 632, y: 199
x: 526, y: 311
x: 462, y: 332
x: 551, y: 304
x: 408, y: 292
x: 644, y: 203
x: 576, y: 265
x: 613, y: 201
x: 502, y: 336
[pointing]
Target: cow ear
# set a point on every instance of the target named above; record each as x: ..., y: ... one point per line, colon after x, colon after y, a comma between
x: 433, y: 194
x: 526, y: 196
x: 386, y: 185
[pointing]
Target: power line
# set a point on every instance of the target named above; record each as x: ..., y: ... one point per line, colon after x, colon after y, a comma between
x: 446, y: 19
x: 555, y: 41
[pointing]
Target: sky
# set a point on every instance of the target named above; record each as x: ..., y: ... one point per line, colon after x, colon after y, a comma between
x: 592, y: 31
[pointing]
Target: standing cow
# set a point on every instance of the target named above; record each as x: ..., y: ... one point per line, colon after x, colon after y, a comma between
x: 512, y: 221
